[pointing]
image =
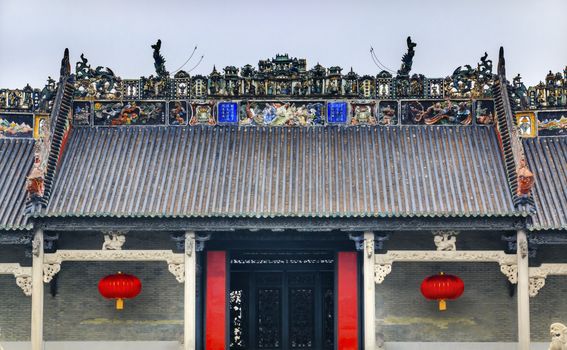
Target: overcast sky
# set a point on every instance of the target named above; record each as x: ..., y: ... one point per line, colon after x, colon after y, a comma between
x: 118, y: 34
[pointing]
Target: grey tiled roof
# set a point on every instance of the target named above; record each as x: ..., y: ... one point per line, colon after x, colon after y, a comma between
x: 16, y: 160
x: 547, y: 159
x: 435, y: 171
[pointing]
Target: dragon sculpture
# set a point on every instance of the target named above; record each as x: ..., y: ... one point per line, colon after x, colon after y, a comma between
x: 159, y: 60
x: 407, y: 59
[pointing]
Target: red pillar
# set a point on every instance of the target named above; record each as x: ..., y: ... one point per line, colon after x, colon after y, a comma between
x: 347, y: 300
x: 215, y: 322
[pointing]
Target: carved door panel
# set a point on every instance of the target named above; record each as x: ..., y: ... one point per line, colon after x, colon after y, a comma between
x: 282, y: 310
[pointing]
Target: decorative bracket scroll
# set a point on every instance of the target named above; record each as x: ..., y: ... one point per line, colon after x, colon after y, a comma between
x: 511, y: 271
x: 538, y: 275
x: 49, y: 271
x: 381, y: 271
x: 178, y: 270
x: 22, y: 275
x: 52, y: 261
x: 383, y: 262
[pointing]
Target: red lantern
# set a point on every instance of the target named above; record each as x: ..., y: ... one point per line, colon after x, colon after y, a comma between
x: 119, y: 286
x: 442, y: 287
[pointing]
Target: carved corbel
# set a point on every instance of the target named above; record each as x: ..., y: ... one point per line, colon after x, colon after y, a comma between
x: 369, y: 247
x: 358, y: 241
x: 25, y: 283
x: 511, y: 271
x: 381, y: 271
x: 200, y: 245
x: 50, y: 270
x: 36, y: 243
x: 178, y: 270
x: 535, y: 284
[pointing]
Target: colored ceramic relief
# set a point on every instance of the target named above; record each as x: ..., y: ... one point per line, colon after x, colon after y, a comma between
x: 552, y: 123
x: 388, y: 113
x: 178, y: 113
x: 227, y: 112
x: 202, y: 114
x: 129, y: 113
x: 445, y: 112
x: 39, y: 125
x: 96, y: 83
x: 527, y: 125
x: 484, y: 112
x: 16, y: 125
x: 363, y: 114
x: 337, y: 112
x: 81, y: 113
x: 281, y: 113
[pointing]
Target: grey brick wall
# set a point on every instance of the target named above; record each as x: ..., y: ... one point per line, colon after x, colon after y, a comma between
x: 485, y: 312
x: 15, y: 311
x: 78, y: 312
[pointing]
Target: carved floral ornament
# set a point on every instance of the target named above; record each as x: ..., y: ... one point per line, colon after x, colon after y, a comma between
x: 445, y: 240
x: 22, y: 275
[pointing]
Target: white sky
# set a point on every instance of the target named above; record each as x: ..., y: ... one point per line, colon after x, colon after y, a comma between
x: 118, y: 34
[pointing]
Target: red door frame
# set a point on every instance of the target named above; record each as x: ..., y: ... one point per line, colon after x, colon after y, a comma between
x: 347, y: 297
x: 216, y: 301
x: 347, y: 301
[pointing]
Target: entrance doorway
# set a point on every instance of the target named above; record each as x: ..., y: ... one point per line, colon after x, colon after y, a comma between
x: 282, y: 302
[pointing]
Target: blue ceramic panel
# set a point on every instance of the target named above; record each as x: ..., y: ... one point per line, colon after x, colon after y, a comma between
x: 337, y: 112
x: 227, y: 112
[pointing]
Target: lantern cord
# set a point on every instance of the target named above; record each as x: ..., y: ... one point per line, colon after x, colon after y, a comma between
x: 187, y: 61
x: 196, y: 65
x: 378, y: 63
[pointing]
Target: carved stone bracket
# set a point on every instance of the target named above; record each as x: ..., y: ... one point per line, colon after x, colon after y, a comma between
x: 25, y: 283
x: 536, y: 283
x: 22, y: 274
x: 50, y: 270
x: 200, y: 245
x: 178, y: 270
x: 381, y: 271
x: 52, y: 261
x: 358, y: 240
x: 511, y: 271
x: 539, y: 274
x: 507, y: 262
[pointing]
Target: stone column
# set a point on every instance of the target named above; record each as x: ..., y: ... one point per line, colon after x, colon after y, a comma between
x: 369, y: 293
x: 189, y: 336
x: 523, y: 291
x: 37, y: 292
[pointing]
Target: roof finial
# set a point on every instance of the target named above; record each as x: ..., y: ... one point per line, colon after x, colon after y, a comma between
x: 65, y: 65
x: 501, y: 63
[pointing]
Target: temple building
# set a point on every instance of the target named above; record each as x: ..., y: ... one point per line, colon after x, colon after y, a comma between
x: 283, y: 206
